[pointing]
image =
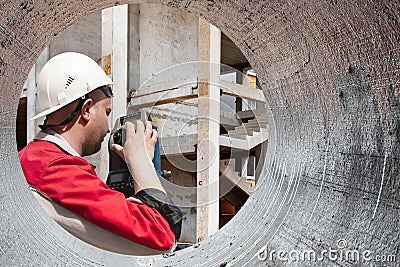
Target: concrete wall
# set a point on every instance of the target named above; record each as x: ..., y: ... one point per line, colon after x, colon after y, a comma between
x: 160, y: 40
x: 134, y: 47
x: 167, y: 37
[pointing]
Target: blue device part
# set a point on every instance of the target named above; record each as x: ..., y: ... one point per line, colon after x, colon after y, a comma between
x: 157, y: 156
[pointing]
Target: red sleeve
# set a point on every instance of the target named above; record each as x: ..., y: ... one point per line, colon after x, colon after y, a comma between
x: 72, y: 182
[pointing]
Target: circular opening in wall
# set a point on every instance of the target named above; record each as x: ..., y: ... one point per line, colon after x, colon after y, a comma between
x: 210, y: 117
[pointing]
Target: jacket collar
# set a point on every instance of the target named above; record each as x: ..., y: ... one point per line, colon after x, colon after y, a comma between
x: 51, y: 136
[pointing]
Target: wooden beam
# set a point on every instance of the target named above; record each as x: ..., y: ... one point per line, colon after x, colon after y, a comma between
x: 163, y: 97
x: 242, y: 91
x: 160, y: 87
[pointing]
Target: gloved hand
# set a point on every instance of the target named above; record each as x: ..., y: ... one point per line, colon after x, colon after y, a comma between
x: 138, y: 153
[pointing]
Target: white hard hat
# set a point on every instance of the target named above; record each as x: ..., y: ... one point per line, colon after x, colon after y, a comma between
x: 65, y: 78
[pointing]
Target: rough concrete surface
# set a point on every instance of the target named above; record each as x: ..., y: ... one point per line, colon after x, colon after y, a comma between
x: 331, y: 178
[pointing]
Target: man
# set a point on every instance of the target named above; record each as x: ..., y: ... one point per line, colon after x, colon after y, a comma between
x: 74, y: 94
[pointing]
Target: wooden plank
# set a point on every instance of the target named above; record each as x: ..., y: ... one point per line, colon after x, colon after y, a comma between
x: 161, y: 87
x: 163, y: 97
x: 242, y: 91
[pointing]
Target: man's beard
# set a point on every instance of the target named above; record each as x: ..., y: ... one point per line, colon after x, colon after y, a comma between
x: 91, y: 149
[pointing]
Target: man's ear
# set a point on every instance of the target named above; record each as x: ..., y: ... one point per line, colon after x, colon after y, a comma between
x: 85, y: 110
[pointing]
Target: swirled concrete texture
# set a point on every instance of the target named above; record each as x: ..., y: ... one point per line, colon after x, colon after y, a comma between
x: 330, y: 72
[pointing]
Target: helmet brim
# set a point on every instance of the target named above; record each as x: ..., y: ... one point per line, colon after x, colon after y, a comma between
x: 55, y: 108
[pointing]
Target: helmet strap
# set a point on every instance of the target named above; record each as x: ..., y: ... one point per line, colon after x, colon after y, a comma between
x: 71, y: 116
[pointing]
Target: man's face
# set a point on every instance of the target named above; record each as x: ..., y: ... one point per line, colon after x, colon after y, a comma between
x: 98, y: 124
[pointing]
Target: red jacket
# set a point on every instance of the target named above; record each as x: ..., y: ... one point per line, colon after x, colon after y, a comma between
x: 72, y: 182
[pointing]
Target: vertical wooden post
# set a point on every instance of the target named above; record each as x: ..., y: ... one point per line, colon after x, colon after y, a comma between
x: 208, y: 131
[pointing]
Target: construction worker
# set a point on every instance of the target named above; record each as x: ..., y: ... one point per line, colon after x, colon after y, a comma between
x: 75, y: 94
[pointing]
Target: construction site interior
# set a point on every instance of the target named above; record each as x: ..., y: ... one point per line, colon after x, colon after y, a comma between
x: 168, y: 63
